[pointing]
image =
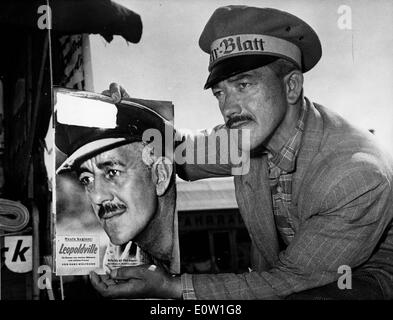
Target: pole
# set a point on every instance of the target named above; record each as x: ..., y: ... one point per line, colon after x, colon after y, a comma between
x: 36, y: 251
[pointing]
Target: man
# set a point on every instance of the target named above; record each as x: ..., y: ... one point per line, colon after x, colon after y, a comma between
x: 128, y: 182
x: 317, y: 198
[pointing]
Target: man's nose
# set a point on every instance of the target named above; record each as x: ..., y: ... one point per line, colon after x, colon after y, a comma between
x: 100, y: 192
x: 231, y: 106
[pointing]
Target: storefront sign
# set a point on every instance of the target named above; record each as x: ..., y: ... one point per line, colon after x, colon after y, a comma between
x: 18, y: 253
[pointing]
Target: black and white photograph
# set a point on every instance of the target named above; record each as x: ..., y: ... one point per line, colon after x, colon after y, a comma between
x: 165, y: 150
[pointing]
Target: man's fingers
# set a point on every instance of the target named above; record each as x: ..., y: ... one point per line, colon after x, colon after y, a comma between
x: 107, y: 279
x: 129, y: 272
x: 116, y: 92
x: 106, y: 286
x: 97, y: 282
x: 123, y: 92
x: 106, y: 93
x: 132, y: 282
x: 111, y: 288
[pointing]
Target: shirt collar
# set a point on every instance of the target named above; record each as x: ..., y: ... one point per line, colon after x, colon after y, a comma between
x: 285, y: 159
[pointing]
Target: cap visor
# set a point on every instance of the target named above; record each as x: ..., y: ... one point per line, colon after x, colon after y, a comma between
x: 235, y: 65
x: 87, y: 150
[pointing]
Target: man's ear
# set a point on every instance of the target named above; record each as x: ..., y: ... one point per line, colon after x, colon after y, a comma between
x: 162, y: 172
x: 293, y: 86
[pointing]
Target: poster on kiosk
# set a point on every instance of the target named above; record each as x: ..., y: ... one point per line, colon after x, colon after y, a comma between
x: 104, y: 211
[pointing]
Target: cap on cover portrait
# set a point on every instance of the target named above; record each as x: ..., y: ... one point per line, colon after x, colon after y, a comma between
x: 88, y: 123
x: 242, y: 38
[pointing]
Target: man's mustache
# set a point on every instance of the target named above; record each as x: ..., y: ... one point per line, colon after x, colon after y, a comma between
x: 109, y: 207
x: 232, y: 120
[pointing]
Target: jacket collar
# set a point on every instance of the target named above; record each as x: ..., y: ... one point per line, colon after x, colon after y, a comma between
x: 285, y: 158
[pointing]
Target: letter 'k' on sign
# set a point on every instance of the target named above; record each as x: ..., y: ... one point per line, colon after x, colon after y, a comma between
x: 18, y: 253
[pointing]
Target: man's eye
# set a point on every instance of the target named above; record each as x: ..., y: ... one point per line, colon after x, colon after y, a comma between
x: 217, y: 93
x: 243, y: 85
x: 85, y: 181
x: 112, y: 173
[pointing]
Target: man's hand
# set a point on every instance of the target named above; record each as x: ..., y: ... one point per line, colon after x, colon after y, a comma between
x: 137, y: 282
x: 116, y: 92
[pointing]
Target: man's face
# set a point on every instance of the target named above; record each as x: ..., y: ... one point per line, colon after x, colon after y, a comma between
x: 121, y: 190
x: 253, y: 100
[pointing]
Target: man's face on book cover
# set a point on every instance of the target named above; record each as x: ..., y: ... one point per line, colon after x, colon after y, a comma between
x: 121, y: 190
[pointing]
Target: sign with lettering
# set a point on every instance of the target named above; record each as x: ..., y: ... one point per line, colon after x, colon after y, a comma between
x: 18, y: 253
x: 253, y: 44
x: 77, y: 253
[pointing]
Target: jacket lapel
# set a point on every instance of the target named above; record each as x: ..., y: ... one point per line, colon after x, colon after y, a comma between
x: 255, y: 205
x: 310, y: 146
